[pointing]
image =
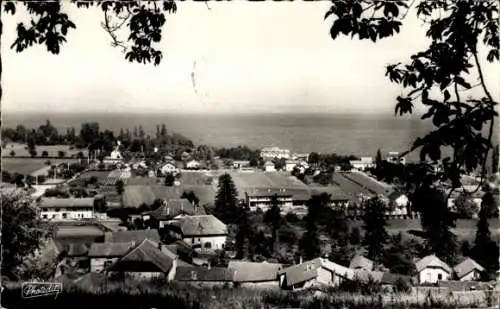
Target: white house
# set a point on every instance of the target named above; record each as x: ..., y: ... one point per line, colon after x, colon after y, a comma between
x: 66, y: 208
x: 269, y: 167
x: 314, y: 273
x: 193, y: 164
x: 290, y: 165
x: 398, y: 205
x: 274, y: 152
x: 393, y: 157
x: 431, y: 269
x: 114, y: 157
x: 468, y: 270
x: 205, y: 231
x: 168, y: 168
x: 362, y: 164
x: 239, y: 164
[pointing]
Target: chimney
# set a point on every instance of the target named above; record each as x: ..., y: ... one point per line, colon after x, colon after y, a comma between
x: 300, y: 260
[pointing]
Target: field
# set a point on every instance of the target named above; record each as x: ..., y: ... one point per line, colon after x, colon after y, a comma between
x: 52, y: 150
x: 135, y: 195
x: 27, y: 165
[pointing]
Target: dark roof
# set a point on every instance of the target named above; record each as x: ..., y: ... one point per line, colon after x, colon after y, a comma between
x: 368, y: 183
x: 201, y: 274
x: 254, y: 272
x: 129, y: 236
x: 179, y: 245
x: 335, y: 192
x: 173, y: 208
x: 201, y: 225
x: 54, y: 202
x: 110, y: 249
x: 145, y: 257
x: 466, y: 267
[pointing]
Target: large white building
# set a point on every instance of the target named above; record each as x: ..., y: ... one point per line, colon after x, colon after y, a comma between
x: 274, y: 152
x: 261, y: 198
x: 362, y: 164
x: 66, y: 208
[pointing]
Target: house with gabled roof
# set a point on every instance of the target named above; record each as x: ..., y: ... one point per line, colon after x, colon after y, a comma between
x: 146, y: 260
x: 102, y: 255
x: 361, y: 262
x: 254, y: 274
x: 431, y: 269
x: 205, y: 277
x: 317, y: 272
x: 468, y: 270
x: 201, y: 231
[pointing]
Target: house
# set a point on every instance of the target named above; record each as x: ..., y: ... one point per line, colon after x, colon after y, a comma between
x: 102, y: 255
x: 206, y: 277
x: 261, y: 198
x: 431, y: 269
x: 317, y: 272
x: 238, y: 164
x: 360, y: 262
x: 252, y: 274
x: 66, y: 208
x: 363, y: 164
x: 114, y: 158
x: 205, y: 231
x: 274, y: 152
x: 136, y: 236
x: 171, y: 209
x: 192, y: 165
x: 394, y: 157
x: 147, y: 260
x: 269, y: 167
x: 290, y: 165
x: 169, y: 168
x: 398, y: 205
x: 468, y: 270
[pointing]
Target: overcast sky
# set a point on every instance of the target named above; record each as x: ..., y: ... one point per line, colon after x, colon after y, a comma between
x: 276, y: 57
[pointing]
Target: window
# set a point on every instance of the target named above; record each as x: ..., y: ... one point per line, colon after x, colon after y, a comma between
x: 192, y: 240
x: 194, y: 275
x: 440, y: 276
x: 107, y: 264
x: 65, y: 215
x: 208, y: 245
x: 44, y: 216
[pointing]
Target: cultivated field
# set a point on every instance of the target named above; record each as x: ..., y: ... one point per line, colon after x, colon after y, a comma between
x: 135, y: 195
x: 266, y: 180
x: 53, y: 150
x: 27, y: 166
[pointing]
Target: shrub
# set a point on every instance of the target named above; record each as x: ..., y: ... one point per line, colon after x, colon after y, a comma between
x: 33, y: 153
x: 61, y: 154
x: 12, y: 153
x: 45, y: 154
x: 401, y: 286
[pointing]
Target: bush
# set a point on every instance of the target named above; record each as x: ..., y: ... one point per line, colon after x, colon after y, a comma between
x: 12, y: 153
x: 401, y: 286
x: 292, y: 217
x: 33, y: 153
x: 45, y: 154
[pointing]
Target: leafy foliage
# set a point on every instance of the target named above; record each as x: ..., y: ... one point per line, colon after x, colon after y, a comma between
x: 456, y: 29
x: 50, y: 26
x: 22, y: 231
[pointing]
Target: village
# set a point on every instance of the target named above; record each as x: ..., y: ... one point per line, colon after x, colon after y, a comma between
x: 150, y: 218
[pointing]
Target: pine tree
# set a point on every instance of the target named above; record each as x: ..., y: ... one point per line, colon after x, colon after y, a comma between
x: 378, y: 165
x: 342, y: 250
x: 485, y: 250
x: 495, y: 158
x: 374, y: 225
x: 437, y: 221
x: 226, y: 201
x: 273, y: 217
x: 309, y: 243
x: 163, y: 131
x: 243, y: 249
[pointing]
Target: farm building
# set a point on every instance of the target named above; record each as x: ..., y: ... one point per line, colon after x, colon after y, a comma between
x: 237, y: 164
x: 261, y: 198
x: 251, y: 274
x: 269, y: 167
x: 313, y: 273
x: 468, y: 270
x: 136, y: 236
x: 431, y: 269
x: 206, y: 277
x: 102, y: 255
x: 360, y: 262
x: 204, y: 231
x: 66, y: 208
x: 170, y: 209
x: 148, y: 259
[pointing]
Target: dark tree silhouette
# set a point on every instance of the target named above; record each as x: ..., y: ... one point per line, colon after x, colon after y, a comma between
x: 495, y: 158
x: 169, y: 180
x: 309, y: 243
x: 120, y: 187
x: 436, y: 220
x: 226, y: 200
x: 374, y: 225
x: 273, y: 217
x: 243, y: 234
x: 449, y: 65
x: 485, y: 249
